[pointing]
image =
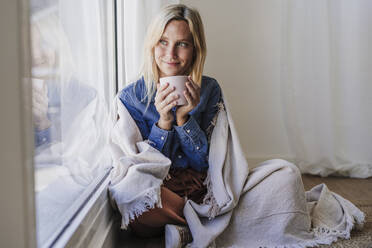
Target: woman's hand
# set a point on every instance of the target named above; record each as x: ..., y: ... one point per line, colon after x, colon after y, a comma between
x: 192, y: 95
x: 40, y: 104
x: 164, y: 102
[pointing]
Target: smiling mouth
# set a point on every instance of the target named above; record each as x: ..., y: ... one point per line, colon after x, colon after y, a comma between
x: 172, y: 63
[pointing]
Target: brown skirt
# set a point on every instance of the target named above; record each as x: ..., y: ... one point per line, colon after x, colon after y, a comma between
x: 187, y: 183
x: 181, y: 184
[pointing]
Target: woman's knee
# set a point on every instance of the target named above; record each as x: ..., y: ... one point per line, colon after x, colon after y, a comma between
x: 289, y: 168
x: 290, y: 179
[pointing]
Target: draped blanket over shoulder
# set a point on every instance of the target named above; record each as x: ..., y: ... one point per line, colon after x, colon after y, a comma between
x: 264, y: 207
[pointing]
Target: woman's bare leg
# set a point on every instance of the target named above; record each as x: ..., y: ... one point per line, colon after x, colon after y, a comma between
x: 152, y: 222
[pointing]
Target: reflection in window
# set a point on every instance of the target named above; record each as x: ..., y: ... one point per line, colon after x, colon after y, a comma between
x: 70, y: 78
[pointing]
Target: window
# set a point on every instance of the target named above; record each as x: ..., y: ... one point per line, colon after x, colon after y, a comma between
x: 72, y: 84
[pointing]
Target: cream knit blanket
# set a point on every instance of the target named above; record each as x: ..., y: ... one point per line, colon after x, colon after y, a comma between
x: 267, y: 208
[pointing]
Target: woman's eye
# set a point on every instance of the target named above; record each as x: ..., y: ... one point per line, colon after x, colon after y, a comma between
x: 163, y: 42
x: 182, y: 44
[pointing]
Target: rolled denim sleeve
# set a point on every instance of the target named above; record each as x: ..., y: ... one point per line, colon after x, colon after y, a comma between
x: 158, y: 138
x: 161, y: 139
x: 194, y: 143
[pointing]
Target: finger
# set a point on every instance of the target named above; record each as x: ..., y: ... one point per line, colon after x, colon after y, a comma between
x: 39, y: 108
x: 36, y: 93
x: 170, y: 105
x: 36, y: 107
x: 40, y: 91
x: 191, y: 91
x: 160, y: 89
x: 36, y: 114
x: 163, y: 94
x: 193, y: 84
x: 194, y: 89
x: 40, y: 99
x: 163, y: 86
x: 190, y: 84
x: 36, y: 104
x: 169, y: 99
x: 188, y: 97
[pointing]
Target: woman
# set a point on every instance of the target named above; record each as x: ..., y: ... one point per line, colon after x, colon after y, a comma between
x: 175, y: 45
x: 267, y: 207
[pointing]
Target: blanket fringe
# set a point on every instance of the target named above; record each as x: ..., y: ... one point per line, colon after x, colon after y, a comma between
x: 326, y: 236
x: 151, y: 199
x: 209, y: 199
x: 211, y: 126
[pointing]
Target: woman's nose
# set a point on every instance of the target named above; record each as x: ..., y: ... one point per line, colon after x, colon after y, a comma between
x: 172, y: 52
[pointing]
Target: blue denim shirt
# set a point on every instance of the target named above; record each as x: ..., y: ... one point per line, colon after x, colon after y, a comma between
x: 187, y: 145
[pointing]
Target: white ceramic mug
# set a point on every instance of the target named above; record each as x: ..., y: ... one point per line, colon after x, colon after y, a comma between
x: 179, y: 82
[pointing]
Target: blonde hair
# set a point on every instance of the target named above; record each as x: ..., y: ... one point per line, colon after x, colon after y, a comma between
x: 155, y: 31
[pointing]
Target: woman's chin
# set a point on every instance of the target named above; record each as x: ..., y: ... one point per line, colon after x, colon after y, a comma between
x: 168, y: 73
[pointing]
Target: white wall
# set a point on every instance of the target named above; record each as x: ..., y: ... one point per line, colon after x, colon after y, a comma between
x: 243, y: 40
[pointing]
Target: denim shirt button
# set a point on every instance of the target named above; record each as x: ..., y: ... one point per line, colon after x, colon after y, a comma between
x: 188, y: 130
x: 179, y: 156
x: 197, y: 148
x: 162, y: 137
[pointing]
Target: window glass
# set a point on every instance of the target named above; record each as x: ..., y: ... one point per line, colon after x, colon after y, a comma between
x: 71, y: 77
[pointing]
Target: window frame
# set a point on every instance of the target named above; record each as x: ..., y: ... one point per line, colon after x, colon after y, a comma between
x: 120, y: 56
x: 16, y: 177
x: 95, y: 222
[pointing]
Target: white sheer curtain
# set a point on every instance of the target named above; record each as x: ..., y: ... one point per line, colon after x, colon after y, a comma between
x: 134, y: 19
x: 85, y: 137
x: 327, y: 85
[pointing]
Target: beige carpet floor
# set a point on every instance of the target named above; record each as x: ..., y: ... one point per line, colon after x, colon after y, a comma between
x: 359, y: 192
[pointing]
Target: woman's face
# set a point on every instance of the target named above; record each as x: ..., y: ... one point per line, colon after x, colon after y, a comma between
x: 174, y: 51
x: 44, y: 55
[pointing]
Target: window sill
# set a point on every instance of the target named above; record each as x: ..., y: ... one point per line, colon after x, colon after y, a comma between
x: 93, y: 225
